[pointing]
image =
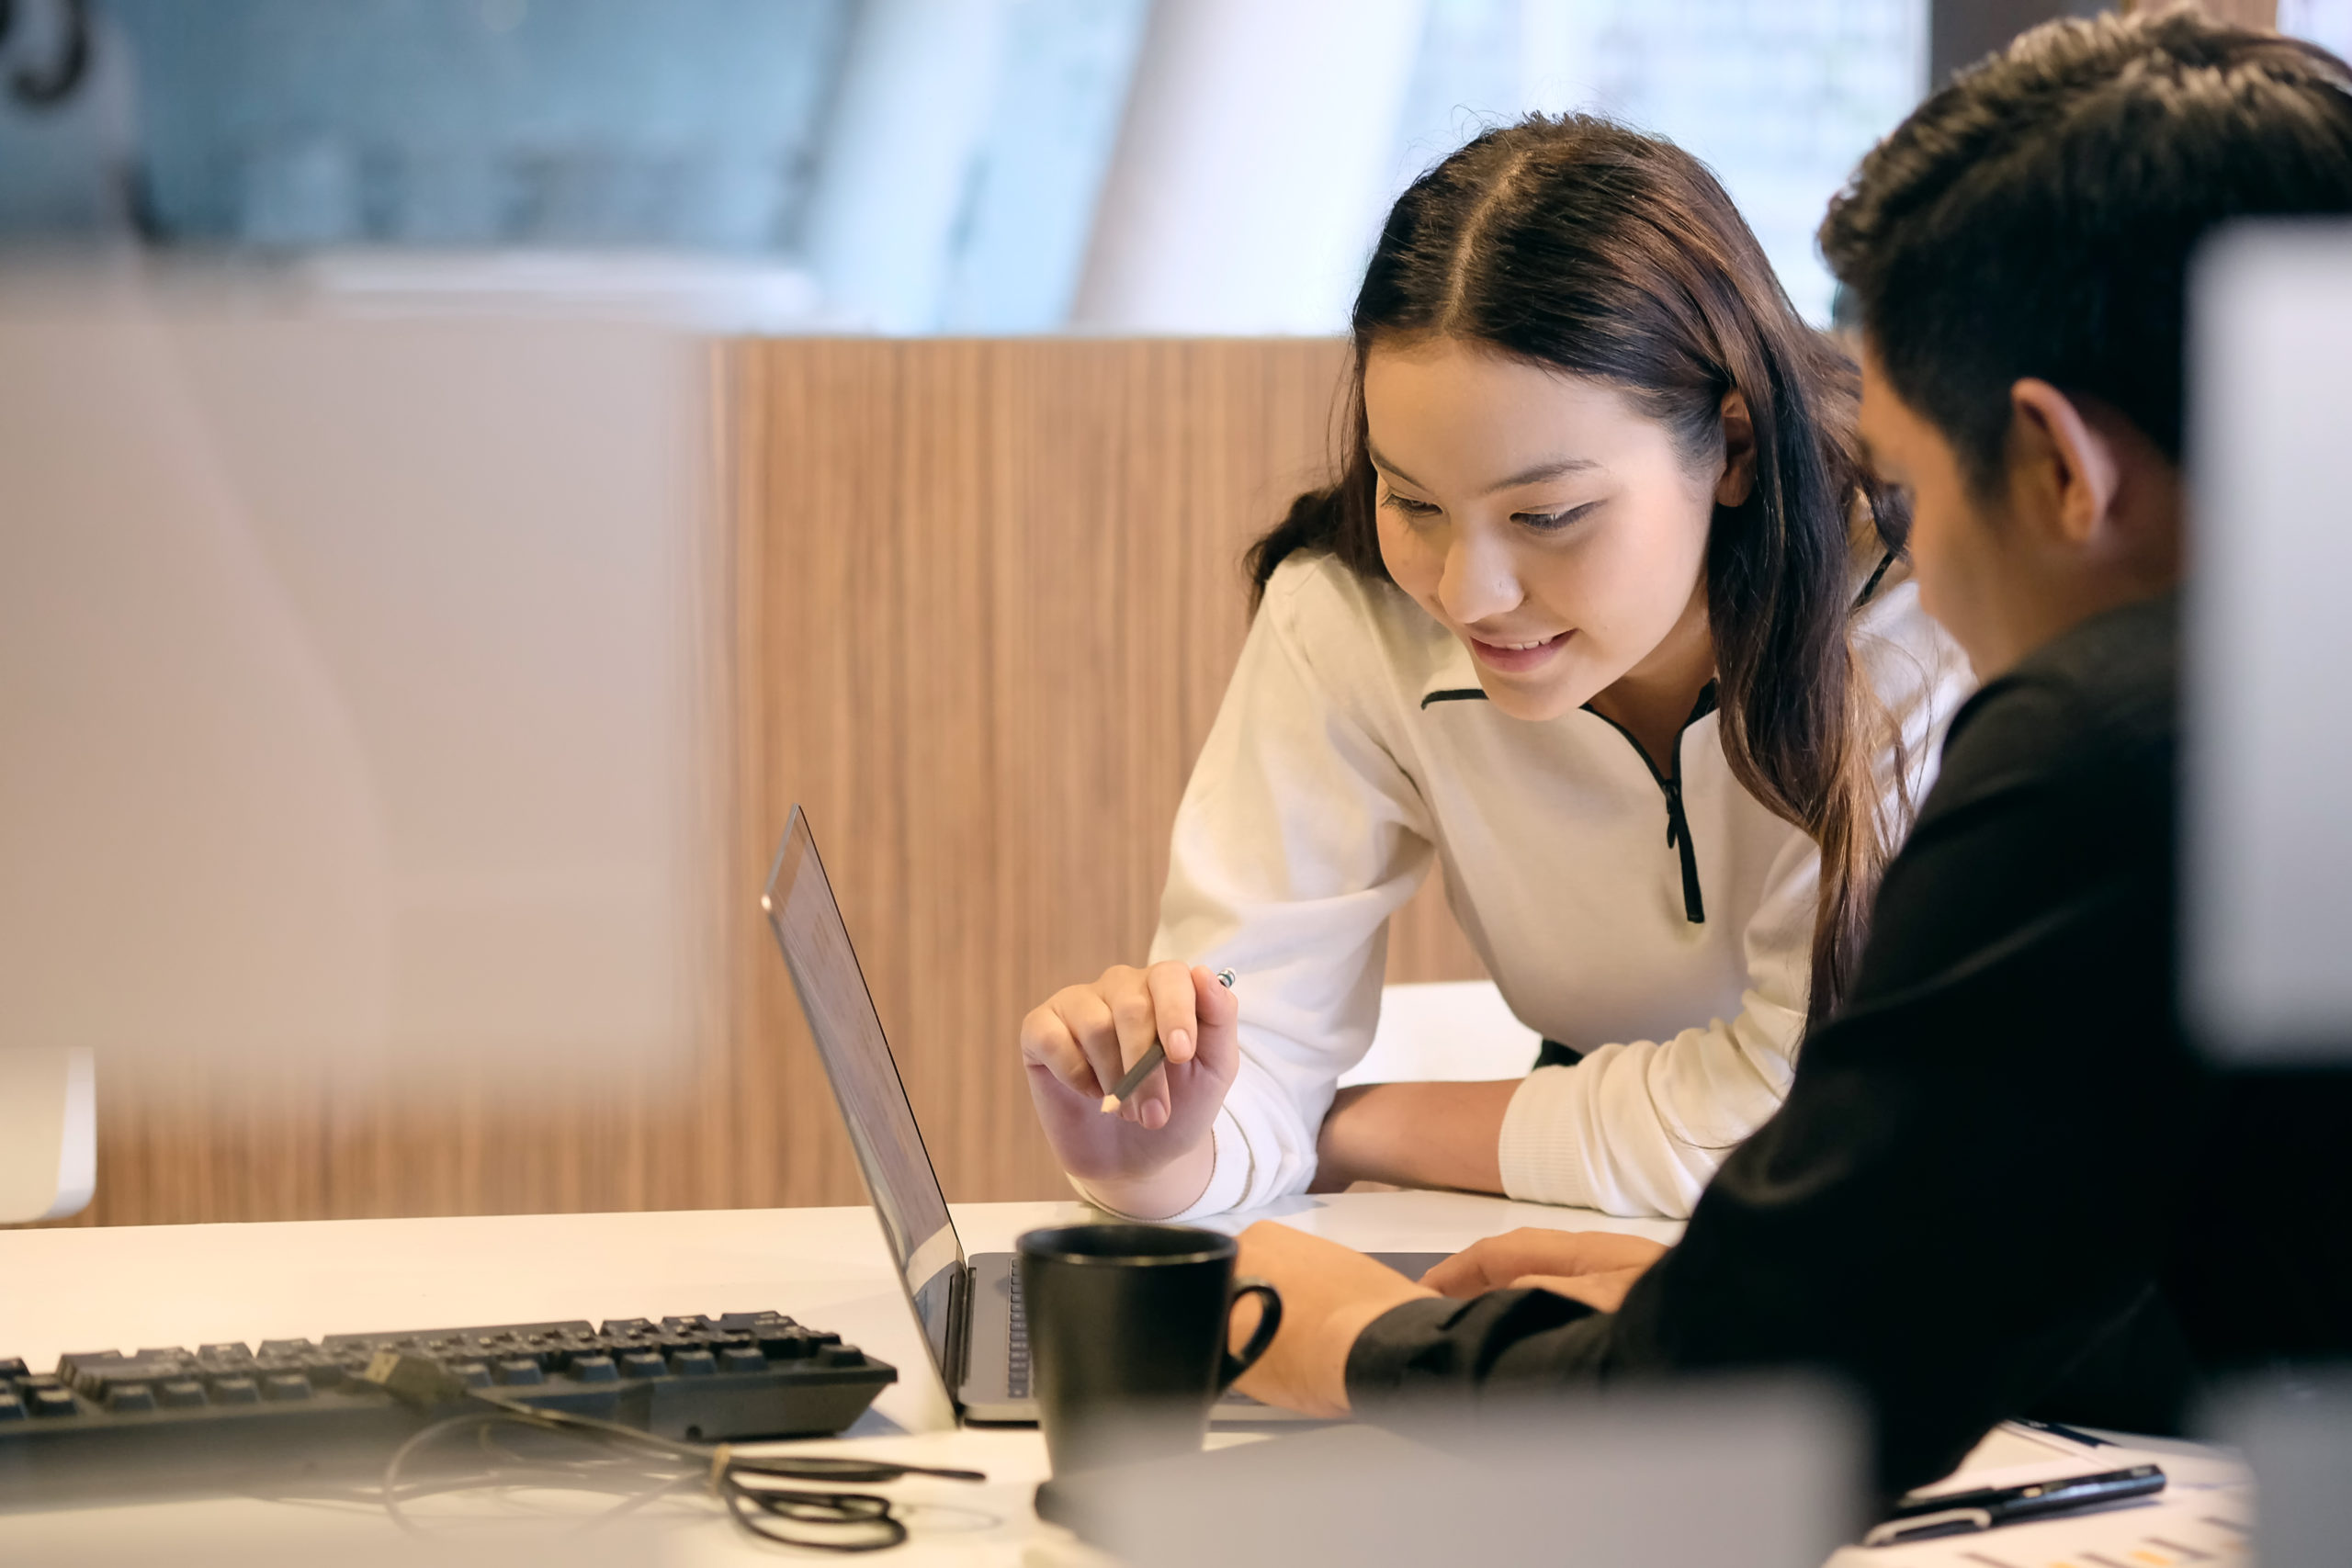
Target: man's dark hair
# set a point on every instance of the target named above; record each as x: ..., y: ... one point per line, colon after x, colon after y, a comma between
x: 2037, y: 216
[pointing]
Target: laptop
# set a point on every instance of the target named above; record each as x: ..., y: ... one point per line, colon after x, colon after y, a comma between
x: 969, y: 1309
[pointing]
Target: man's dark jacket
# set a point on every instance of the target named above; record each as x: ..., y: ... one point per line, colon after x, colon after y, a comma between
x: 2002, y: 1181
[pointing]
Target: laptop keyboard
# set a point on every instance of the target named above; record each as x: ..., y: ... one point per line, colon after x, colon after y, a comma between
x: 1016, y: 1354
x: 1017, y: 1349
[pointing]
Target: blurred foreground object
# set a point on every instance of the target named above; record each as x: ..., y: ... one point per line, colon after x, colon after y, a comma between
x: 49, y: 1134
x: 2296, y: 1435
x: 347, y: 677
x: 1759, y: 1474
x: 2269, y: 852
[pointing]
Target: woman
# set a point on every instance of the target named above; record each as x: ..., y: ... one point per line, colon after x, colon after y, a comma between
x: 1605, y: 614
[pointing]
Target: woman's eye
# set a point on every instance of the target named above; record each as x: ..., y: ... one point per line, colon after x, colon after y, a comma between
x: 1409, y: 506
x: 1547, y: 522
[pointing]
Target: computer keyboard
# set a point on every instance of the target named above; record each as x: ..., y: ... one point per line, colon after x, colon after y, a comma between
x: 104, y: 1422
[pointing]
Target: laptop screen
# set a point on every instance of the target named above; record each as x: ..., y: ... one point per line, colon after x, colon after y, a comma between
x: 898, y: 1174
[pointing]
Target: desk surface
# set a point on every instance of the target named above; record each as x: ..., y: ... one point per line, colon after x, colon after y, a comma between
x: 121, y: 1288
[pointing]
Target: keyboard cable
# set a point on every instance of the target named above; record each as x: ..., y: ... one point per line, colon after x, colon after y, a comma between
x: 749, y: 1485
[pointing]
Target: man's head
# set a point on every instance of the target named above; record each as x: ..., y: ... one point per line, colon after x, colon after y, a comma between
x: 2018, y: 252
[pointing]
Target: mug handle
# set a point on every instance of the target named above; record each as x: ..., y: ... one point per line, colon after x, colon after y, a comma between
x: 1270, y: 1322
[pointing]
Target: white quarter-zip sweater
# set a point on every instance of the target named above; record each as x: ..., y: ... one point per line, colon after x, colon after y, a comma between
x: 1354, y: 748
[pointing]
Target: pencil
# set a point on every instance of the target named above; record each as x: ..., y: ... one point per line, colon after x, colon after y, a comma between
x: 1152, y: 1059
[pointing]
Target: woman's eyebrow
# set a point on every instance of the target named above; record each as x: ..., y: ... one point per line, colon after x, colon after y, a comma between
x: 1542, y: 471
x: 1391, y: 469
x: 1535, y: 475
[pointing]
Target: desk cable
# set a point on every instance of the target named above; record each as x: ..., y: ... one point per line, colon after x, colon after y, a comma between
x: 823, y: 1520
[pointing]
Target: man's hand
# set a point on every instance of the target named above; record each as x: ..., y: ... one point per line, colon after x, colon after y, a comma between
x: 1330, y: 1294
x: 1596, y: 1267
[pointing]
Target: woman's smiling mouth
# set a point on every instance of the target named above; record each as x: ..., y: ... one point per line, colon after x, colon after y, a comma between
x: 1517, y: 658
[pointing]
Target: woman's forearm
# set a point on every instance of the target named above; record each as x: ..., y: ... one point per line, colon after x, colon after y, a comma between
x: 1415, y: 1135
x: 1172, y: 1189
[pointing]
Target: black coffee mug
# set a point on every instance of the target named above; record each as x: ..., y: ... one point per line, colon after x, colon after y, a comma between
x: 1127, y: 1331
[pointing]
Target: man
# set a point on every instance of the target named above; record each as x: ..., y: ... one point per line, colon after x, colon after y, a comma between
x: 2002, y: 1181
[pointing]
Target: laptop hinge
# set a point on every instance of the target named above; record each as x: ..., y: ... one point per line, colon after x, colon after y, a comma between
x: 959, y: 1334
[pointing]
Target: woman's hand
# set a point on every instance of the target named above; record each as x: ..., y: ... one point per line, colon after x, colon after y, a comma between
x: 1083, y: 1040
x: 1596, y: 1267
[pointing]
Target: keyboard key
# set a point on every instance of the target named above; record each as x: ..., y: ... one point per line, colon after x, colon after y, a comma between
x: 50, y: 1401
x: 473, y: 1374
x: 742, y: 1358
x: 644, y: 1364
x: 225, y: 1355
x: 180, y: 1394
x: 11, y: 1407
x: 519, y: 1369
x: 595, y: 1369
x: 93, y: 1372
x: 287, y: 1347
x: 14, y: 1366
x: 693, y: 1363
x: 286, y: 1386
x: 123, y: 1398
x: 235, y: 1391
x: 842, y: 1356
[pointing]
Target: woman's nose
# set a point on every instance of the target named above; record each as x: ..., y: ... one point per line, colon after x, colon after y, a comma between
x: 1480, y: 579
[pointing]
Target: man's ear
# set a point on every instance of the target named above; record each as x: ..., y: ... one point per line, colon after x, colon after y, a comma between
x: 2063, y: 473
x: 1740, y: 451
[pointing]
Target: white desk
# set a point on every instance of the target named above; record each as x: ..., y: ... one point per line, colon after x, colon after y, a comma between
x: 82, y: 1290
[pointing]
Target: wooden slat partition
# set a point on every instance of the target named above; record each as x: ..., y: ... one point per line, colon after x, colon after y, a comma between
x: 984, y: 596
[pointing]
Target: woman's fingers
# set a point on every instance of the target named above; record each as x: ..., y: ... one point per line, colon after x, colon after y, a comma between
x: 1134, y: 1015
x: 1218, y: 1011
x: 1073, y: 1037
x: 1170, y: 985
x: 1088, y: 1037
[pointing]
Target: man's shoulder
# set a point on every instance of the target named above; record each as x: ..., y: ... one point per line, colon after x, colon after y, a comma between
x: 2103, y: 698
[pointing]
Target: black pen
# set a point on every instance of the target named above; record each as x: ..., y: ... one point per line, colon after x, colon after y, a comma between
x: 1151, y: 1059
x: 2071, y: 1434
x: 1961, y: 1513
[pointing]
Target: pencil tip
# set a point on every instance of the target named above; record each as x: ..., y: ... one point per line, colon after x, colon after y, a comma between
x: 1110, y: 1105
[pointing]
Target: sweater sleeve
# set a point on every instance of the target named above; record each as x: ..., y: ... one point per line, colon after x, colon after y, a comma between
x: 1640, y: 1127
x: 1297, y: 836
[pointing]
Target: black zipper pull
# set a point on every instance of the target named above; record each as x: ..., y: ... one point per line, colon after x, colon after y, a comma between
x: 1678, y: 836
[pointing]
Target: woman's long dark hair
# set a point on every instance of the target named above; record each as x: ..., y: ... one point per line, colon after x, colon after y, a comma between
x: 1577, y: 243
